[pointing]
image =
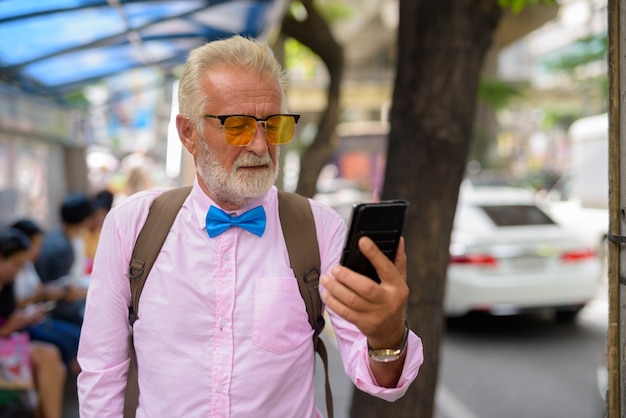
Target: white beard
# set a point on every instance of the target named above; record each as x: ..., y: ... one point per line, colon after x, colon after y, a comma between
x: 238, y: 187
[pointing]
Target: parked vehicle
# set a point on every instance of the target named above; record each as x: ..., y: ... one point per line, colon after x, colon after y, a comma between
x: 579, y: 200
x: 508, y: 256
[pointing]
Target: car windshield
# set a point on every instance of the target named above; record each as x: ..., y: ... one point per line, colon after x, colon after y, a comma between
x: 516, y: 215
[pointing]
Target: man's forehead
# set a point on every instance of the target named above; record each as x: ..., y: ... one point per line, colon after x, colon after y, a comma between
x: 225, y: 86
x: 237, y: 75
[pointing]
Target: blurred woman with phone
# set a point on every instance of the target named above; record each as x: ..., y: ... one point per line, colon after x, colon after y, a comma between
x: 31, y: 293
x: 48, y: 371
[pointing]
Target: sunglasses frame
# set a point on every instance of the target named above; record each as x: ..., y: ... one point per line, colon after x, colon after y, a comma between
x: 222, y: 119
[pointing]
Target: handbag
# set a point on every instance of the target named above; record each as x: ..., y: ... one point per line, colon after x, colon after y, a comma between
x: 18, y: 396
x: 15, y: 367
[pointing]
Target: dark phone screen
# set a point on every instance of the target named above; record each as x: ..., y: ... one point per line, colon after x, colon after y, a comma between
x: 382, y: 222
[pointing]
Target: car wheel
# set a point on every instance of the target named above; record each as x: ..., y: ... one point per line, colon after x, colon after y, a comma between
x: 566, y: 315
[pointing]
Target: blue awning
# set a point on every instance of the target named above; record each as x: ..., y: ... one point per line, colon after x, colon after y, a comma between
x: 52, y: 47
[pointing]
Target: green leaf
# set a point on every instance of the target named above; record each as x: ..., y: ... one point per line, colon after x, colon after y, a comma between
x: 498, y: 93
x: 517, y: 6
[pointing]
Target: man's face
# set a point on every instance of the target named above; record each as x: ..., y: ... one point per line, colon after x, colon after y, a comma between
x: 235, y: 175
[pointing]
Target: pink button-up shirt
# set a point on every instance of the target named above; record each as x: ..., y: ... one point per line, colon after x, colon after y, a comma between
x: 222, y: 328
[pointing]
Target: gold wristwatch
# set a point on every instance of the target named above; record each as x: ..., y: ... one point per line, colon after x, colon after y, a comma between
x: 386, y: 355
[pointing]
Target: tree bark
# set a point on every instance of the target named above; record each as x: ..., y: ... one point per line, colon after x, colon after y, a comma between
x: 315, y: 33
x: 441, y: 45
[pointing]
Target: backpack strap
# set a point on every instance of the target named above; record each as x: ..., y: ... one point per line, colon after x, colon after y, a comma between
x: 296, y: 220
x: 149, y: 242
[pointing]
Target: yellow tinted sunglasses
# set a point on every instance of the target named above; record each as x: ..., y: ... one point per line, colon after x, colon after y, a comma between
x: 240, y: 129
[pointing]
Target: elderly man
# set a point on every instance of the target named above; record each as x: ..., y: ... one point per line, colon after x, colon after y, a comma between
x: 223, y: 330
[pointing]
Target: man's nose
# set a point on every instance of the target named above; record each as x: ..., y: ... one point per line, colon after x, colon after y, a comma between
x: 259, y: 144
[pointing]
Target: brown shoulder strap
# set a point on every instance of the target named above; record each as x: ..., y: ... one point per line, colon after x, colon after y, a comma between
x: 149, y: 242
x: 296, y: 219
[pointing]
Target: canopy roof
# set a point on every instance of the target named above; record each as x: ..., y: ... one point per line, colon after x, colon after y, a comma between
x: 53, y: 47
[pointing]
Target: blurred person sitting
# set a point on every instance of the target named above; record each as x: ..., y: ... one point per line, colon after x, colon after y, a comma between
x: 102, y: 204
x: 62, y: 257
x: 29, y: 290
x: 28, y: 286
x: 48, y: 370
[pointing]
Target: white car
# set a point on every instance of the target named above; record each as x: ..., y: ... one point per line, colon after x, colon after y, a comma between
x: 507, y: 256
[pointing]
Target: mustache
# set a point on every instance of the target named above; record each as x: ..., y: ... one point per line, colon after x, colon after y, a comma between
x: 251, y: 160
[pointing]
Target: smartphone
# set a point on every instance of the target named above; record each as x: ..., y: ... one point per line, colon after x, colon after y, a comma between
x: 40, y: 308
x: 48, y: 306
x: 382, y: 222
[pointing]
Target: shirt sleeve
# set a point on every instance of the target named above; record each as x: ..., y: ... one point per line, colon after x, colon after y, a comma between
x: 354, y: 353
x: 352, y: 344
x: 103, y: 351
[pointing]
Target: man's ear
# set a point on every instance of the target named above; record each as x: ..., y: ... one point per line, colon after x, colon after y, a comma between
x: 186, y: 133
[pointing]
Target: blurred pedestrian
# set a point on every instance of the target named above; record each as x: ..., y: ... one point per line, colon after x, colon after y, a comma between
x: 102, y: 204
x: 62, y: 257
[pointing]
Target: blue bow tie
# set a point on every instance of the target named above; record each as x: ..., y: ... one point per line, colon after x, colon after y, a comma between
x: 218, y: 221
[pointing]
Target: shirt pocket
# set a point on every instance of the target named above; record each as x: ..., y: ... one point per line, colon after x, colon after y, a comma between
x: 280, y: 320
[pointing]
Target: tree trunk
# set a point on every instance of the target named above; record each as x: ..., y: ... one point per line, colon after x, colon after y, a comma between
x: 315, y: 33
x: 441, y: 45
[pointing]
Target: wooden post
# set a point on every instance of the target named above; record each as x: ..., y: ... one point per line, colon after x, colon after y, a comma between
x: 616, y: 401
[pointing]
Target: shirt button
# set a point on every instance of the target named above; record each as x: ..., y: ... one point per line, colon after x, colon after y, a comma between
x: 226, y: 257
x: 220, y: 389
x: 223, y: 322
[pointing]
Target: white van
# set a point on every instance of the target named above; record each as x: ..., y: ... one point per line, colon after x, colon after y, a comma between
x: 579, y: 201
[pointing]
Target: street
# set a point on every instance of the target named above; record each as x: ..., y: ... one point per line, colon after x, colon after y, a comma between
x: 521, y: 367
x: 515, y: 367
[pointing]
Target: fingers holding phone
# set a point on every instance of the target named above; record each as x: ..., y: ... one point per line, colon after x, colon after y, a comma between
x: 372, y: 307
x: 385, y: 268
